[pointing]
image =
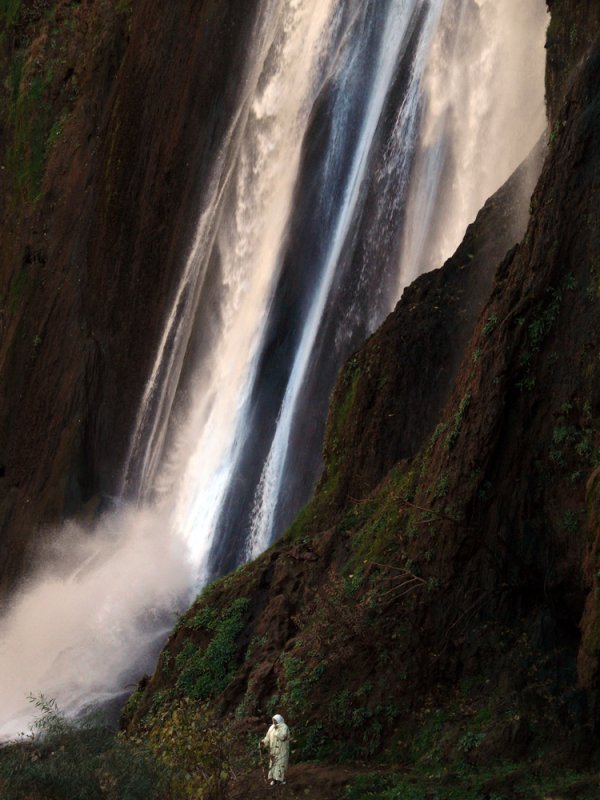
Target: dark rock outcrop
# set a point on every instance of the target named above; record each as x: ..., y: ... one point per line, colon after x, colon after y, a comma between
x: 125, y: 106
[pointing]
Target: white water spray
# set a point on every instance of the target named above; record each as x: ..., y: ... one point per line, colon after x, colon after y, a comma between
x: 249, y: 242
x: 474, y: 96
x: 149, y: 558
x: 85, y: 626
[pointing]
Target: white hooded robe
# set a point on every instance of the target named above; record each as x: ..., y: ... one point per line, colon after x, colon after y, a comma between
x: 278, y: 742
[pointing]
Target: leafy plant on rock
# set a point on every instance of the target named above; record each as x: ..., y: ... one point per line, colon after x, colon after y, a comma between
x: 206, y: 671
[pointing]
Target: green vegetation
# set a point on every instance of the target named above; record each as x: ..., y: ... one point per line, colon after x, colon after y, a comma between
x: 297, y: 682
x: 575, y: 445
x: 132, y: 705
x: 538, y: 327
x: 9, y: 12
x: 191, y: 748
x: 507, y: 781
x: 182, y: 753
x: 41, y: 63
x: 555, y: 133
x: 490, y: 325
x: 123, y: 6
x: 377, y: 524
x: 322, y: 507
x: 206, y: 671
x: 55, y: 133
x: 82, y: 760
x: 441, y: 487
x: 26, y: 155
x: 443, y: 760
x: 340, y: 408
x: 458, y: 419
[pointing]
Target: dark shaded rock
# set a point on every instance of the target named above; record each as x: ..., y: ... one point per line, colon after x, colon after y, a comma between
x: 520, y: 435
x: 391, y: 393
x: 571, y: 39
x: 509, y: 741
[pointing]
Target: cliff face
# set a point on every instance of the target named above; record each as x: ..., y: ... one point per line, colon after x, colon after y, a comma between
x: 497, y: 496
x: 519, y: 440
x: 449, y: 559
x: 447, y: 569
x: 112, y: 113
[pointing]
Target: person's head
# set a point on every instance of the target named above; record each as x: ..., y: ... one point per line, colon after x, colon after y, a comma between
x: 277, y: 719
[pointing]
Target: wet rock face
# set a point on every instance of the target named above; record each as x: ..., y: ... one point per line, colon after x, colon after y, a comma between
x: 129, y: 115
x: 521, y: 436
x: 392, y: 392
x: 588, y: 662
x: 570, y: 40
x: 499, y: 424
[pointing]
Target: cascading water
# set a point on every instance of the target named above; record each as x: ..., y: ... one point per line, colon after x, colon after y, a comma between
x: 368, y: 134
x: 479, y: 86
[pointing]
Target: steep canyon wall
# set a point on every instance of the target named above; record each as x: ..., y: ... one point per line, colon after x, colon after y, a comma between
x: 453, y: 536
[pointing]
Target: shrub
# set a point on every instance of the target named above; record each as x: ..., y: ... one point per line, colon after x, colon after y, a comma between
x: 188, y: 742
x: 76, y: 760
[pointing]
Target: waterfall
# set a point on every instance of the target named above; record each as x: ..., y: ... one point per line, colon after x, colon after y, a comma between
x: 367, y: 135
x: 480, y: 84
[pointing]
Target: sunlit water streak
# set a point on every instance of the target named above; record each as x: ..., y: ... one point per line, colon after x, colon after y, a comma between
x: 248, y: 243
x: 394, y: 26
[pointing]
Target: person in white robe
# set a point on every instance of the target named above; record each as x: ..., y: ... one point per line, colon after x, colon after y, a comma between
x: 277, y: 741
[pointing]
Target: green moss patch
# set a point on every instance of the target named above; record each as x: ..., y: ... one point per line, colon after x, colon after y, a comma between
x: 42, y: 47
x: 204, y: 672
